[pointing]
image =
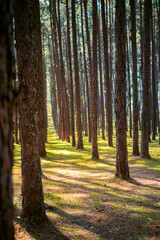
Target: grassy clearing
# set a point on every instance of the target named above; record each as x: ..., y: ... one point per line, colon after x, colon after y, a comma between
x: 84, y: 200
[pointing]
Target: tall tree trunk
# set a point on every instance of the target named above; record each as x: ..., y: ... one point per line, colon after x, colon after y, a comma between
x: 129, y: 90
x: 89, y: 56
x: 88, y: 41
x: 70, y: 77
x: 61, y: 124
x: 107, y: 81
x: 53, y: 90
x: 154, y: 95
x: 146, y: 79
x: 65, y: 98
x: 94, y: 83
x: 141, y: 61
x: 122, y: 168
x: 86, y: 76
x: 40, y: 84
x: 158, y: 10
x: 26, y: 19
x: 134, y: 78
x: 101, y: 83
x: 77, y: 83
x: 6, y: 108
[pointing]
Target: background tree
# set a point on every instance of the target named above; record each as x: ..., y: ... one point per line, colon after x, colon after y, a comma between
x: 6, y: 108
x: 77, y: 83
x: 146, y: 80
x: 134, y: 78
x: 107, y: 80
x: 94, y: 83
x: 70, y: 76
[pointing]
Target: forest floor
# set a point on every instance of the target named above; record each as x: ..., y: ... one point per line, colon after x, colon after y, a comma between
x: 84, y: 200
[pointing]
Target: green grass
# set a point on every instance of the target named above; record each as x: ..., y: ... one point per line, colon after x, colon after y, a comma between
x: 84, y: 200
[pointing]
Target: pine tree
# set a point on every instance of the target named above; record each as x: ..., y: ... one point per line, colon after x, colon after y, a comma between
x: 122, y: 168
x: 26, y: 18
x: 6, y: 109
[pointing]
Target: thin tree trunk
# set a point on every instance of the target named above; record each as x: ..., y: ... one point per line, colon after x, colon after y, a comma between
x: 70, y: 77
x: 65, y: 103
x: 57, y: 71
x: 94, y: 83
x: 77, y: 83
x: 129, y: 91
x: 154, y: 95
x: 146, y: 79
x: 134, y: 78
x: 86, y: 76
x: 101, y: 83
x: 53, y: 90
x: 107, y: 81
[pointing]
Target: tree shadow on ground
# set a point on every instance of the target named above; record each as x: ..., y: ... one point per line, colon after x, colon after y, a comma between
x: 44, y: 230
x: 115, y: 226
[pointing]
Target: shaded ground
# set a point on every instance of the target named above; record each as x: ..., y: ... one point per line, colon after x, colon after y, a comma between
x: 83, y: 200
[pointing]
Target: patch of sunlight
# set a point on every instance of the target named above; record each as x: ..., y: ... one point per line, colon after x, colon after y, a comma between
x: 74, y: 197
x: 79, y: 232
x: 134, y: 208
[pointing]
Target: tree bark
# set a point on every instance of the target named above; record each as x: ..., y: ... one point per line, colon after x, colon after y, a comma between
x: 101, y: 83
x: 71, y: 78
x: 41, y: 101
x: 94, y: 83
x: 154, y: 94
x: 129, y: 91
x: 77, y: 83
x: 134, y: 79
x: 146, y: 80
x: 26, y: 13
x: 122, y: 168
x: 6, y: 108
x: 107, y: 81
x: 86, y: 76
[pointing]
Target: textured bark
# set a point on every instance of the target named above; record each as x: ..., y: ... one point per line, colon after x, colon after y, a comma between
x: 158, y: 14
x: 88, y: 41
x: 94, y: 83
x: 58, y: 52
x: 129, y: 91
x: 86, y: 75
x: 61, y: 123
x: 70, y: 77
x: 141, y: 66
x: 28, y: 75
x: 101, y: 83
x: 45, y: 98
x: 53, y: 90
x: 111, y: 52
x: 41, y: 101
x: 146, y: 80
x: 90, y: 61
x: 6, y: 108
x: 134, y: 79
x: 65, y: 103
x: 154, y: 95
x: 77, y: 83
x: 122, y: 169
x: 107, y: 80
